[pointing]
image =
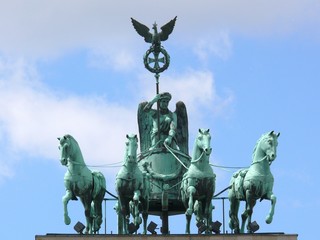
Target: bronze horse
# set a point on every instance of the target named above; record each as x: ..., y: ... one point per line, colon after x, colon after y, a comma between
x: 254, y: 183
x: 80, y: 182
x: 198, y: 184
x: 132, y: 191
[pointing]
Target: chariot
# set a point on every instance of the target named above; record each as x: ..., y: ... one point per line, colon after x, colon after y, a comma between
x: 165, y: 164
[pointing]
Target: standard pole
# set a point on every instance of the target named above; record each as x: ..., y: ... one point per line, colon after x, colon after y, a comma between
x: 223, y: 218
x: 105, y: 216
x: 158, y: 104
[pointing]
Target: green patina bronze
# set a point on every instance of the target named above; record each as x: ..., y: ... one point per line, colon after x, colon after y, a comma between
x: 175, y: 180
x: 254, y: 183
x: 80, y: 182
x: 157, y: 127
x: 133, y: 190
x: 163, y: 154
x: 198, y: 183
x: 156, y: 54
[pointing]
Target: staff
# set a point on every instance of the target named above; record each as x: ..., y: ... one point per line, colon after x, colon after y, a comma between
x: 160, y: 55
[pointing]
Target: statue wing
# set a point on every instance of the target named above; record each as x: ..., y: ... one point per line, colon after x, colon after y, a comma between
x: 167, y: 29
x: 142, y: 30
x: 182, y: 133
x: 145, y: 125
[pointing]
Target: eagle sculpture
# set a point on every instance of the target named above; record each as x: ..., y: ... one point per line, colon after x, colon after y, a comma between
x: 155, y: 38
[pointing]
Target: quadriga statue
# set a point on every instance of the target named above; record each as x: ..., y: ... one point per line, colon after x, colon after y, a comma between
x: 254, y: 183
x: 80, y: 182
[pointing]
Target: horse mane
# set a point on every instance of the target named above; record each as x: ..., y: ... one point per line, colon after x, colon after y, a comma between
x: 74, y: 146
x: 195, y: 147
x: 72, y: 138
x: 125, y: 155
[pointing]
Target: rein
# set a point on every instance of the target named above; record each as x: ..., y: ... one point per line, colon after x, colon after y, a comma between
x: 198, y: 159
x: 175, y: 156
x: 261, y: 160
x: 71, y: 161
x: 75, y: 163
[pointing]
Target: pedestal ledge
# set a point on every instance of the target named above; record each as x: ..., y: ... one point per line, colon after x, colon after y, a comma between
x: 256, y: 236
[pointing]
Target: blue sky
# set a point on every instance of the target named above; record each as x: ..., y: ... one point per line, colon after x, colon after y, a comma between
x: 242, y: 67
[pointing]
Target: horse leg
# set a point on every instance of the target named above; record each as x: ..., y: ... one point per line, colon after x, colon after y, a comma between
x: 244, y: 217
x: 250, y: 202
x: 188, y: 220
x: 245, y: 214
x: 97, y: 201
x: 251, y: 205
x: 145, y: 208
x: 120, y: 217
x: 122, y: 208
x: 197, y: 209
x: 97, y: 209
x: 136, y: 211
x: 65, y: 199
x: 233, y: 212
x: 273, y: 200
x: 209, y: 217
x: 123, y: 213
x: 208, y: 213
x: 191, y: 190
x: 86, y: 201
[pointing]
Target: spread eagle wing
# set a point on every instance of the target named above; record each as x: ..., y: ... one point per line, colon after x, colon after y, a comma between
x: 145, y: 126
x: 182, y: 133
x: 167, y: 29
x: 142, y: 30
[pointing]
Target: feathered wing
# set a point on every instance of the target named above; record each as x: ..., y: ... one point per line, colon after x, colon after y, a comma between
x: 145, y: 125
x: 142, y: 30
x: 167, y: 29
x: 182, y: 133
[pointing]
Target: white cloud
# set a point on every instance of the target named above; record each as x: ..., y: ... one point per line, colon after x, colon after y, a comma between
x: 5, y: 171
x: 119, y: 60
x: 42, y: 29
x: 196, y: 88
x: 32, y: 117
x: 218, y: 45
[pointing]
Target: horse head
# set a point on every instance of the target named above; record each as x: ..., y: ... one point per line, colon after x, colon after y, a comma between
x: 203, y: 141
x: 68, y: 147
x: 64, y: 148
x: 131, y: 148
x: 268, y: 146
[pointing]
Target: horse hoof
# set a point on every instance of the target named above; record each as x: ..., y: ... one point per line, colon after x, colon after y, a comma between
x: 67, y: 220
x: 268, y: 219
x: 189, y: 211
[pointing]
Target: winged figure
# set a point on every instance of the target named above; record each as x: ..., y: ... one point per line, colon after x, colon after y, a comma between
x: 155, y: 38
x: 147, y: 121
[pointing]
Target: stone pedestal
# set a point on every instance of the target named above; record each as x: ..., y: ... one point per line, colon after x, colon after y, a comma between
x: 257, y: 236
